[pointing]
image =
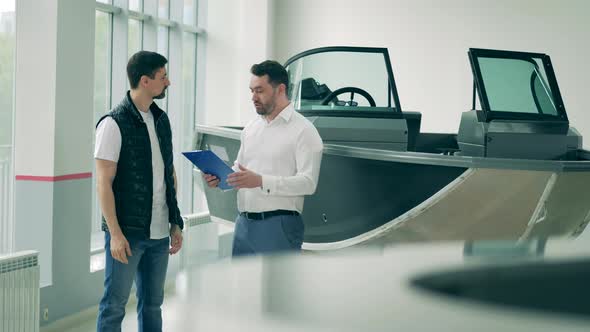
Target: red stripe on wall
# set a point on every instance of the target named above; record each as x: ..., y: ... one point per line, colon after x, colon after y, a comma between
x: 53, y: 178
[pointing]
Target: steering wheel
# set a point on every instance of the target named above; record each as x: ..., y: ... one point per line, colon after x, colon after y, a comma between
x: 352, y: 91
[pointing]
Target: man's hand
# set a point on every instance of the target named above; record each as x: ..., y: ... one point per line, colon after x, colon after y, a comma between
x: 175, y: 239
x: 120, y: 248
x: 245, y: 178
x: 212, y: 180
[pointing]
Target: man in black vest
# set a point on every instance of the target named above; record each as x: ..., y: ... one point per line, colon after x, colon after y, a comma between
x: 136, y: 186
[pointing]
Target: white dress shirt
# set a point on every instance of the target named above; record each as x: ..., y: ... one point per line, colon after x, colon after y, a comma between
x: 287, y: 153
x: 108, y: 147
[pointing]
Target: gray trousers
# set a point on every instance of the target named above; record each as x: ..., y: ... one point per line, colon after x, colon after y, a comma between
x: 265, y: 236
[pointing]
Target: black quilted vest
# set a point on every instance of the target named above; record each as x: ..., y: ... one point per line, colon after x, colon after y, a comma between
x: 133, y: 182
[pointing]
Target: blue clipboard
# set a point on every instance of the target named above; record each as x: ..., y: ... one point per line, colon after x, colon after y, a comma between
x: 209, y: 163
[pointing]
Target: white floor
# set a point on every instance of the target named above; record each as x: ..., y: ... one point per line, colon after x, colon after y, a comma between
x: 212, y: 244
x: 85, y: 321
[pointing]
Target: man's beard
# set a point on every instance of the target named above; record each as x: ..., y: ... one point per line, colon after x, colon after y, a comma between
x: 265, y: 109
x: 161, y: 95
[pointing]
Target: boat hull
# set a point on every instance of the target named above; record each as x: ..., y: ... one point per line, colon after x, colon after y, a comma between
x: 368, y: 196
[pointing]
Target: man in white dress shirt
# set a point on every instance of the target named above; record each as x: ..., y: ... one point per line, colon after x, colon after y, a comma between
x: 277, y: 165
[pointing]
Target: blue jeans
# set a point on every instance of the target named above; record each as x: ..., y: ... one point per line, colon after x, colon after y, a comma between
x: 270, y: 235
x: 147, y: 265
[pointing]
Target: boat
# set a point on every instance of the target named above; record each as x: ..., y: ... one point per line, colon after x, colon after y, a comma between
x: 515, y: 169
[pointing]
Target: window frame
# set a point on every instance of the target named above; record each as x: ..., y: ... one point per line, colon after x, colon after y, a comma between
x: 7, y: 206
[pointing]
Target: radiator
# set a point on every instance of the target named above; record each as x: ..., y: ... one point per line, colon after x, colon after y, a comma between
x: 196, y: 239
x: 19, y: 292
x: 195, y: 219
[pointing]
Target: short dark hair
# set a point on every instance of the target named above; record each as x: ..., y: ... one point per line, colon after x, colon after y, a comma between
x: 277, y: 74
x: 144, y: 63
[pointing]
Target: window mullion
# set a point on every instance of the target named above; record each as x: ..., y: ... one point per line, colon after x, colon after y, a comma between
x: 103, y: 7
x: 193, y: 29
x: 166, y: 23
x: 139, y: 16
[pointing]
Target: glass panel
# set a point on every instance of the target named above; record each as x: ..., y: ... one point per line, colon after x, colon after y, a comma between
x: 516, y: 85
x: 189, y: 12
x: 188, y: 78
x: 102, y: 72
x: 164, y: 9
x: 105, y: 1
x: 189, y: 47
x: 163, y: 49
x: 163, y: 40
x: 102, y: 89
x: 134, y: 41
x: 7, y: 48
x: 314, y: 77
x: 136, y: 5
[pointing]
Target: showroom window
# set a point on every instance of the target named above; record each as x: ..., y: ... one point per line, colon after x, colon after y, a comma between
x: 7, y: 60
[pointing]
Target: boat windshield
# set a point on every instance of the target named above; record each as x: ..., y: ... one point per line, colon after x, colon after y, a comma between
x: 516, y: 85
x: 337, y: 78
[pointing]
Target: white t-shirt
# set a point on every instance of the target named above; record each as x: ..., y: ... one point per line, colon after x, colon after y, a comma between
x: 108, y: 147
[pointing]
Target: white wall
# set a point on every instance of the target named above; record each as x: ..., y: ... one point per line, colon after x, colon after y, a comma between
x: 53, y: 137
x: 54, y: 83
x: 219, y: 91
x: 35, y: 87
x: 74, y: 87
x: 428, y: 42
x: 254, y: 47
x: 238, y: 35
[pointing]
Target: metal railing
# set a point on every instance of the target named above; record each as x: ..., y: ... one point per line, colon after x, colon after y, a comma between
x: 6, y: 185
